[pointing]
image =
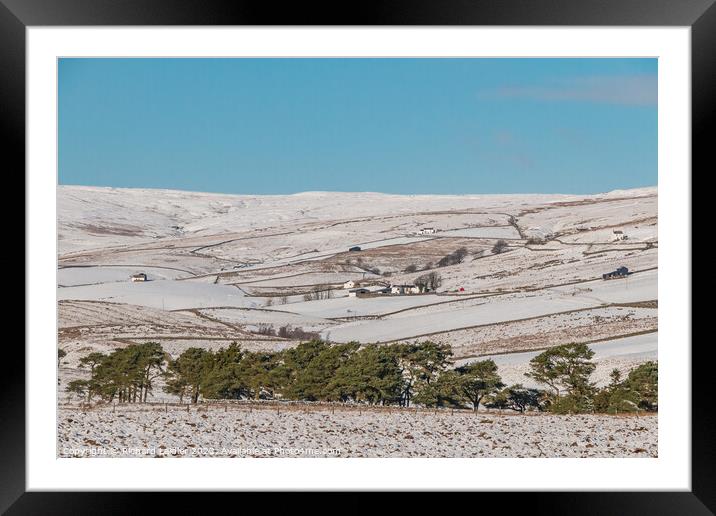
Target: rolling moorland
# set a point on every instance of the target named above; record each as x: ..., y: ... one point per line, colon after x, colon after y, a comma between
x: 512, y: 275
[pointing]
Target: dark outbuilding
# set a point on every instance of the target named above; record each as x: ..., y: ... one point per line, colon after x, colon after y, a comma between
x: 621, y: 272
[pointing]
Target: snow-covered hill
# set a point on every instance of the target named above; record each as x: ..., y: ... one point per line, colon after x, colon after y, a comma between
x: 244, y: 262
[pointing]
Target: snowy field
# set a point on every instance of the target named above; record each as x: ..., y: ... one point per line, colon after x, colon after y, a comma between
x: 495, y: 309
x: 295, y: 432
x: 75, y: 276
x: 165, y: 294
x: 277, y: 318
x: 589, y: 326
x: 483, y: 232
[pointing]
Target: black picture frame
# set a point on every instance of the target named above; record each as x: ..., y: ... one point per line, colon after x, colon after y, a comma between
x: 700, y: 15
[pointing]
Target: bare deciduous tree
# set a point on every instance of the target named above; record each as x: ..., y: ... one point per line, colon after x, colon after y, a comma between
x: 499, y: 247
x: 430, y: 281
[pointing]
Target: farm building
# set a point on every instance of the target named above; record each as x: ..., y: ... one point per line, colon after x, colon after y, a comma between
x: 138, y: 277
x: 350, y: 284
x: 621, y: 272
x: 354, y: 248
x: 404, y: 289
x: 358, y: 292
x: 427, y: 231
x: 619, y: 235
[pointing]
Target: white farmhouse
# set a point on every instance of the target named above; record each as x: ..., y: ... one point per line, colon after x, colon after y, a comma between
x: 349, y: 284
x: 427, y: 231
x: 138, y: 277
x: 404, y: 289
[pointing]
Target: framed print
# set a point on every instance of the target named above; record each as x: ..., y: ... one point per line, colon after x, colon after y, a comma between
x: 420, y: 252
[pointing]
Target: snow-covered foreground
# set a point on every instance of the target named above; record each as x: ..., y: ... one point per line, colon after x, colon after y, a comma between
x: 326, y: 432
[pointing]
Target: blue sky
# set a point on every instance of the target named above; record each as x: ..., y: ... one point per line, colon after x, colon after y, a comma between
x: 414, y: 126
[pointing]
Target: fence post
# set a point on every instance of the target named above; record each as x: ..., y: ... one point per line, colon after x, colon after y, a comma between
x: 166, y: 407
x: 187, y: 408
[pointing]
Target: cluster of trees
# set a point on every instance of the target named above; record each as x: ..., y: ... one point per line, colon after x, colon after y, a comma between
x: 453, y: 258
x: 319, y: 292
x: 430, y: 281
x: 639, y: 390
x: 566, y: 371
x: 286, y: 332
x: 397, y: 374
x: 126, y: 375
x: 312, y: 371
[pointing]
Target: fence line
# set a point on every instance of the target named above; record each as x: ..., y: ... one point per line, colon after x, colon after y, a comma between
x: 299, y: 406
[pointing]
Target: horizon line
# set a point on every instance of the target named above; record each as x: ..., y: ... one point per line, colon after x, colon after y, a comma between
x: 302, y: 192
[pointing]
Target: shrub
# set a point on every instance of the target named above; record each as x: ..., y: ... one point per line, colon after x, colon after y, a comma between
x: 499, y: 247
x: 297, y: 333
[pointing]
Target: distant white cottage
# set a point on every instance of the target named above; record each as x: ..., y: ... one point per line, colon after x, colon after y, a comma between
x: 350, y: 284
x: 404, y: 289
x: 138, y: 277
x: 427, y: 231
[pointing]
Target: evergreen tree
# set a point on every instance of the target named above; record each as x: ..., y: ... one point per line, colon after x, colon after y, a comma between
x: 370, y: 374
x: 421, y: 365
x: 223, y: 380
x: 479, y: 379
x: 515, y: 397
x: 187, y: 375
x: 61, y: 353
x: 566, y: 368
x: 637, y: 392
x: 644, y: 380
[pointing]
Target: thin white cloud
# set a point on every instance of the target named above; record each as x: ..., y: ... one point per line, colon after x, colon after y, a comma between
x: 633, y: 90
